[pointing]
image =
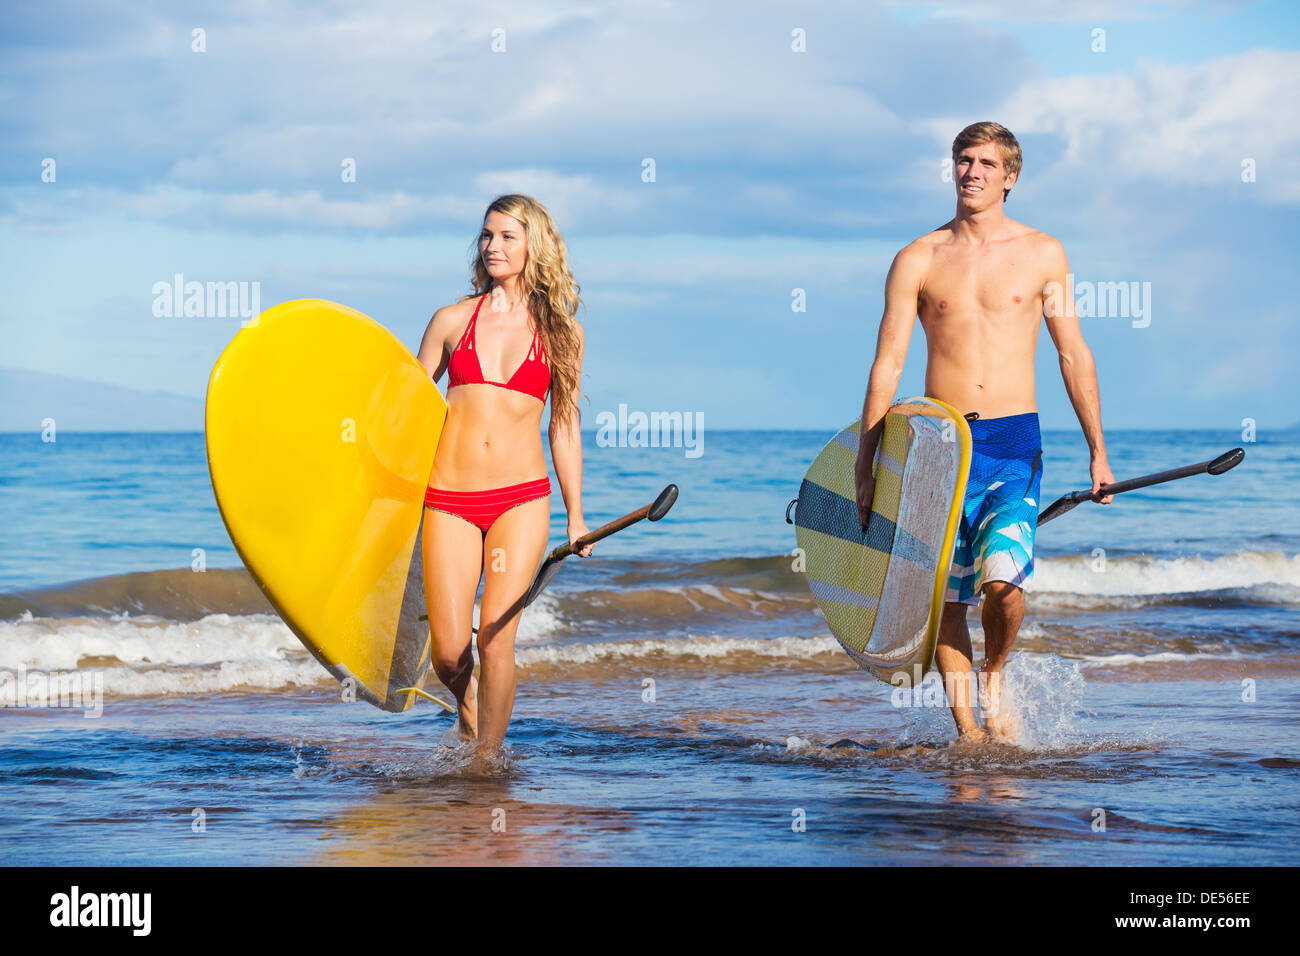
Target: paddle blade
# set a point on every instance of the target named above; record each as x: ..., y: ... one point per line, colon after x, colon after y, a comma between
x: 654, y: 511
x: 661, y: 504
x: 549, y: 570
x: 1229, y: 459
x: 1059, y: 507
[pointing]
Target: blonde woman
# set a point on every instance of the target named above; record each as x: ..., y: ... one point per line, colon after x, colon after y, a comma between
x: 488, y: 504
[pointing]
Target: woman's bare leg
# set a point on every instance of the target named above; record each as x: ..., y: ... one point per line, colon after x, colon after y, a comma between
x: 512, y: 552
x: 452, y: 551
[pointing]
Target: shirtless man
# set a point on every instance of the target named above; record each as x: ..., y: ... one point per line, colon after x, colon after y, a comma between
x: 980, y: 285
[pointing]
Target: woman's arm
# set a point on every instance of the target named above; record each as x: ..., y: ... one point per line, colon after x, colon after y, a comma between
x: 566, y: 455
x: 434, y: 354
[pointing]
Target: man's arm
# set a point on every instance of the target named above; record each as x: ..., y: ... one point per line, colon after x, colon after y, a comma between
x: 902, y: 292
x: 1078, y: 369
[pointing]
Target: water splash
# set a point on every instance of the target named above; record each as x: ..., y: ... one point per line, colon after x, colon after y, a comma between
x: 1044, y: 692
x: 458, y: 760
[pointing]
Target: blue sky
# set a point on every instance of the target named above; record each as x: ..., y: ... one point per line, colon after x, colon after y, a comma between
x: 775, y: 170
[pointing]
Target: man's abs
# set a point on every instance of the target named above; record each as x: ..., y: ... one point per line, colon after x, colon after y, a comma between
x: 982, y: 377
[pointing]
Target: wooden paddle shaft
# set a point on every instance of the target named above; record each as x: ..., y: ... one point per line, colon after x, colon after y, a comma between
x: 654, y: 511
x: 591, y: 537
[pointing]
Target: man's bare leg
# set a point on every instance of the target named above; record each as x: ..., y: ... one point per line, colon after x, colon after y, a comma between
x: 953, y: 655
x: 1002, y: 614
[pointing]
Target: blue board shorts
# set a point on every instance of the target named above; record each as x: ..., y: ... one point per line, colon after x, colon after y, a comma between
x: 995, y: 538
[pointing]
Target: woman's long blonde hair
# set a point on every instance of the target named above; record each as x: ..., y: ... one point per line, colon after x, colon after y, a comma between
x: 550, y: 292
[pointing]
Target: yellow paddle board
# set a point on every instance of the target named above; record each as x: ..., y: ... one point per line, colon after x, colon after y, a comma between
x: 321, y: 431
x: 882, y: 591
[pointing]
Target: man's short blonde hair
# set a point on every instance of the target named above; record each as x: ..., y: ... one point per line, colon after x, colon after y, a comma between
x: 990, y: 132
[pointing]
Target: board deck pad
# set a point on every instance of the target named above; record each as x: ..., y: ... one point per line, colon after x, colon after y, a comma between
x: 321, y: 429
x: 882, y: 590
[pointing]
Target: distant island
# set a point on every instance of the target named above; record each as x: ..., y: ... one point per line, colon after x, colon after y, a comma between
x: 27, y: 398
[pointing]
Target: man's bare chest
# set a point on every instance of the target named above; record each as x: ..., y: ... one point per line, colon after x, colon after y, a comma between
x: 1001, y: 283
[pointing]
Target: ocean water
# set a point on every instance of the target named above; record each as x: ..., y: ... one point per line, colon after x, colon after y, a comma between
x: 680, y: 699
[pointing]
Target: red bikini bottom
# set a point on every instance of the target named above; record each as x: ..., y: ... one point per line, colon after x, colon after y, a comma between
x: 482, y: 508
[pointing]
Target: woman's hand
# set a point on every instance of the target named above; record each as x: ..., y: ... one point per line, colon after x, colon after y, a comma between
x: 577, y: 528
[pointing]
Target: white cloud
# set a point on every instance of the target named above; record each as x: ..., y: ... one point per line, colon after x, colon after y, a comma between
x: 1177, y: 125
x: 573, y: 200
x: 379, y: 212
x: 260, y: 208
x: 1056, y: 11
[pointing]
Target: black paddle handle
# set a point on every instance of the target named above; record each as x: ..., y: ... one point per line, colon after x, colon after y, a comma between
x: 1216, y: 466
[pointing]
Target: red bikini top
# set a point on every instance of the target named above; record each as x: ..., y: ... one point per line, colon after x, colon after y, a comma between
x: 533, y: 377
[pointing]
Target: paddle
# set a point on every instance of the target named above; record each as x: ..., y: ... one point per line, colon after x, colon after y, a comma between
x: 654, y: 511
x: 1217, y: 466
x: 551, y: 566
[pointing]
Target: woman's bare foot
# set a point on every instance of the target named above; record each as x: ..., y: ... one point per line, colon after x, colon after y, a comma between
x: 467, y: 713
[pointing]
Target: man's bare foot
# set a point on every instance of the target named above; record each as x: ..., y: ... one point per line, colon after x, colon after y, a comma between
x: 1005, y: 727
x: 999, y: 714
x: 973, y: 736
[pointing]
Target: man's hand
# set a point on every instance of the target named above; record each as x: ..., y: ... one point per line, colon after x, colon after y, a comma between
x: 866, y: 488
x: 1101, y: 476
